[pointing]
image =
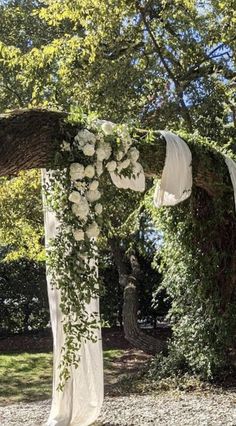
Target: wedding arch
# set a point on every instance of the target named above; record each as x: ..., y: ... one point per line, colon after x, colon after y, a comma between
x: 76, y: 153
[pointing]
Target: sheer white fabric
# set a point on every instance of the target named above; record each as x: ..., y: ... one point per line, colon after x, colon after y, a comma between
x: 135, y: 183
x: 232, y: 171
x: 80, y: 402
x: 176, y: 181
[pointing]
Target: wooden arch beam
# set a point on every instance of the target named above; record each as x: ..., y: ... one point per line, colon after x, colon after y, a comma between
x: 30, y: 138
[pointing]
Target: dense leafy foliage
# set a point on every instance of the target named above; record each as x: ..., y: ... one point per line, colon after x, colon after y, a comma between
x: 21, y: 224
x: 23, y: 297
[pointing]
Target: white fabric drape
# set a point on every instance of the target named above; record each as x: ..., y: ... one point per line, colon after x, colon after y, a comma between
x: 232, y: 171
x: 176, y: 181
x: 80, y: 402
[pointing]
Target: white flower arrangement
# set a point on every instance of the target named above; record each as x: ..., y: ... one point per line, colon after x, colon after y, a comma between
x: 104, y: 148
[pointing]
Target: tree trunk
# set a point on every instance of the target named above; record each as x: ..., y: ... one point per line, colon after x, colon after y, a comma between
x: 132, y: 332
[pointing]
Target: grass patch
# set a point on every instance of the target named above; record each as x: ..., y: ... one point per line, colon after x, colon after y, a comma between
x: 25, y: 377
x: 28, y: 376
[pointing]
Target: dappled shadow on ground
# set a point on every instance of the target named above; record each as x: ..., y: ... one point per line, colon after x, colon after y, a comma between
x: 25, y: 377
x: 123, y: 368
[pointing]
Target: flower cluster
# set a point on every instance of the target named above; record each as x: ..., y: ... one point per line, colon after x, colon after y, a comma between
x: 121, y: 161
x: 77, y: 201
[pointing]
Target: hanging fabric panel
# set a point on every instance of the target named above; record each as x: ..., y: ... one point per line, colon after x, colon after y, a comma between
x: 80, y: 401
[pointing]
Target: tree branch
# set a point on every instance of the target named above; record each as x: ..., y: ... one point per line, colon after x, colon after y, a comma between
x: 30, y: 139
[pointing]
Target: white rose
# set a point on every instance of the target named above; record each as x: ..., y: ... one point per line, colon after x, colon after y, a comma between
x: 89, y: 171
x: 84, y: 136
x: 93, y: 230
x: 93, y: 195
x: 107, y: 127
x: 111, y: 166
x: 94, y: 185
x: 65, y: 146
x: 99, y: 168
x: 98, y: 208
x: 88, y: 150
x: 78, y: 234
x: 133, y: 154
x: 76, y: 171
x: 75, y: 197
x: 81, y: 210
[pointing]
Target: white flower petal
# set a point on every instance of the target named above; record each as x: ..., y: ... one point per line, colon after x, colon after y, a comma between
x: 93, y: 230
x: 75, y: 197
x: 93, y: 195
x: 88, y: 150
x: 89, y: 171
x: 78, y: 234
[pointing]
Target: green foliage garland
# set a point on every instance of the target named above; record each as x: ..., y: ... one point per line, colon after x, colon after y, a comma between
x: 72, y: 193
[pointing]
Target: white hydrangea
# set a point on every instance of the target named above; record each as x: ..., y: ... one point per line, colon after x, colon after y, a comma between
x: 93, y: 230
x: 107, y: 127
x: 84, y: 136
x: 88, y: 149
x: 133, y: 154
x: 111, y: 166
x: 93, y: 195
x: 76, y: 171
x: 75, y: 197
x: 65, y: 146
x: 89, y: 171
x: 81, y: 210
x: 98, y: 208
x: 94, y: 185
x: 78, y: 234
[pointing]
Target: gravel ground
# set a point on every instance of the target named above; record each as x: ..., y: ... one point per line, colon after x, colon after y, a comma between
x: 212, y: 409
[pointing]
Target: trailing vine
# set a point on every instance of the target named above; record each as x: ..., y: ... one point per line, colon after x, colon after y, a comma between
x: 198, y: 262
x: 74, y: 193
